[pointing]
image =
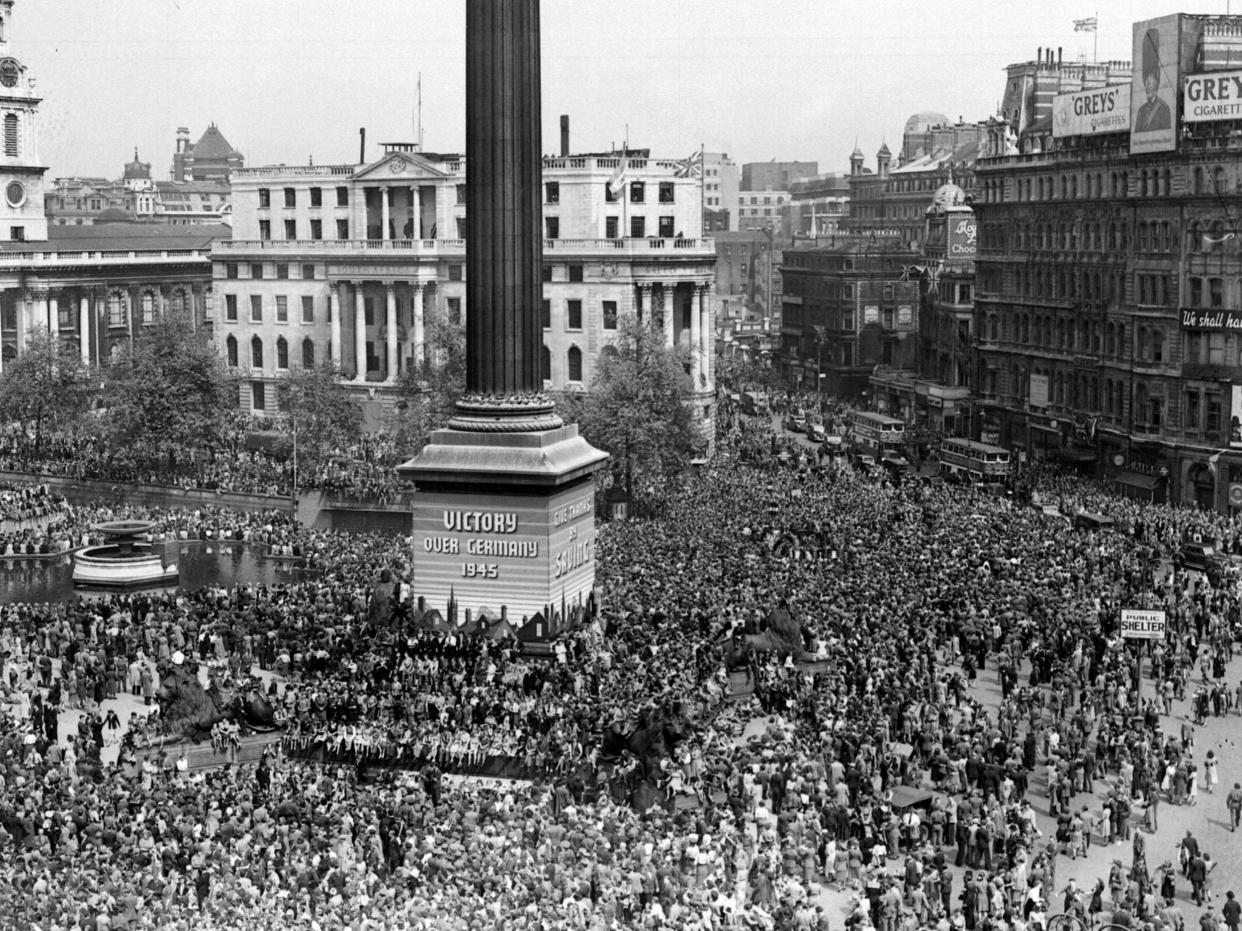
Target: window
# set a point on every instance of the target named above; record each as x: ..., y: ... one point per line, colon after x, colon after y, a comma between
x: 291, y: 197
x: 573, y: 315
x: 1192, y: 408
x: 308, y: 271
x: 461, y: 227
x: 256, y: 270
x: 230, y: 308
x: 230, y: 351
x: 638, y: 192
x: 265, y: 197
x: 256, y: 308
x: 230, y: 270
x: 666, y: 228
x: 316, y: 227
x: 610, y: 315
x: 552, y: 192
x: 455, y: 271
x: 638, y: 227
x: 308, y: 353
x: 342, y: 198
x: 574, y: 360
x: 256, y: 353
x: 545, y: 363
x: 368, y: 311
x: 1212, y: 420
x: 666, y: 192
x: 148, y: 307
x: 282, y: 270
x: 116, y: 309
x: 308, y: 309
x: 10, y: 135
x: 546, y: 272
x: 610, y: 227
x: 291, y: 229
x: 1216, y: 348
x: 575, y: 272
x: 454, y: 311
x: 282, y: 353
x: 265, y: 229
x: 282, y: 308
x: 1216, y: 293
x: 316, y: 197
x: 545, y: 314
x: 258, y: 396
x: 552, y: 227
x: 342, y: 229
x: 461, y: 194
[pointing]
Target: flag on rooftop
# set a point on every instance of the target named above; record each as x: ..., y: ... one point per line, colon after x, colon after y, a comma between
x: 691, y: 167
x: 1090, y: 24
x: 618, y: 179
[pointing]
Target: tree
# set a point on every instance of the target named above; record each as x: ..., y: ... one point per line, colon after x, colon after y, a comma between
x: 46, y: 387
x: 428, y: 390
x: 170, y: 393
x: 319, y: 412
x: 638, y: 406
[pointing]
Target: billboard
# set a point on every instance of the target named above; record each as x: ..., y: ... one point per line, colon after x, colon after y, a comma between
x: 1088, y: 113
x: 1235, y: 417
x: 1217, y: 320
x: 1154, y: 83
x: 963, y: 237
x: 1039, y: 390
x: 1215, y: 96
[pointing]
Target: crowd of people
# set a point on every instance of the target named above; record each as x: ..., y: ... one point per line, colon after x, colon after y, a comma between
x: 860, y: 755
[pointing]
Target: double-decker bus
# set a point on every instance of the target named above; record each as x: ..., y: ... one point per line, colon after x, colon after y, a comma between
x: 876, y: 434
x: 973, y: 461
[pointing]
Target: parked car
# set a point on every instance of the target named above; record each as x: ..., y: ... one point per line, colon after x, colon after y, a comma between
x: 815, y: 432
x: 1206, y: 559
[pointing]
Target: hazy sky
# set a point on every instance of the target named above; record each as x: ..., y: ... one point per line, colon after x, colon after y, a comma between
x: 288, y: 80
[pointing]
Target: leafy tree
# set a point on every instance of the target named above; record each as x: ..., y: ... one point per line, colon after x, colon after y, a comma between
x: 319, y: 412
x: 169, y: 395
x: 638, y: 406
x: 45, y: 388
x: 427, y: 392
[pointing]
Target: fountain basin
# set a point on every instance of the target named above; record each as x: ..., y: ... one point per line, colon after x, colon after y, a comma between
x: 124, y: 562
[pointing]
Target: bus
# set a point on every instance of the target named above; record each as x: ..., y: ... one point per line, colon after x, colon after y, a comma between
x: 755, y: 403
x: 876, y: 435
x: 977, y: 462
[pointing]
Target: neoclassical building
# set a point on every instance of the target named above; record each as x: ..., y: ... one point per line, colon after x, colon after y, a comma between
x: 92, y: 286
x: 353, y: 262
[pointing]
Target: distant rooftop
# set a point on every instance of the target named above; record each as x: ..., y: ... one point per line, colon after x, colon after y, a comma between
x: 124, y: 237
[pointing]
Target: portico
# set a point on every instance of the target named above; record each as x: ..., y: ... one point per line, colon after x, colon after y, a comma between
x: 377, y: 325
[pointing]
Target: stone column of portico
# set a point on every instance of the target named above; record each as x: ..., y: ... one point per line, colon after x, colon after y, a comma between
x: 696, y: 333
x: 669, y: 294
x: 419, y: 337
x: 644, y: 300
x: 390, y: 299
x: 334, y: 322
x: 360, y: 332
x: 51, y: 314
x: 708, y: 332
x: 84, y: 328
x: 384, y: 212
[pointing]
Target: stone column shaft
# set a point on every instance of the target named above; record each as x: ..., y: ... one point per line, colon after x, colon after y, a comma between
x: 391, y: 321
x: 51, y: 315
x: 696, y: 334
x: 334, y: 322
x: 360, y: 332
x: 419, y: 337
x: 384, y: 213
x: 84, y: 328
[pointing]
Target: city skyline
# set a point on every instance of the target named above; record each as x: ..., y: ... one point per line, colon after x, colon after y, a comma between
x: 322, y: 72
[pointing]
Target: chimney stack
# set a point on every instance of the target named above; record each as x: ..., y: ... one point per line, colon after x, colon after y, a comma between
x: 1058, y: 56
x: 1039, y: 55
x: 564, y: 135
x: 362, y: 145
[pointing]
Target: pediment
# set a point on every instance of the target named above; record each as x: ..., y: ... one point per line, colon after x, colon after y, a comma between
x: 401, y: 166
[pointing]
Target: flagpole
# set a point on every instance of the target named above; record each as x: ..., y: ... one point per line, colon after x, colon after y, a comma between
x: 1095, y: 39
x: 702, y: 190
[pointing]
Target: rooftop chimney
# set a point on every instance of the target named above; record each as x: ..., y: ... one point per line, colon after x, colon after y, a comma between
x: 564, y: 135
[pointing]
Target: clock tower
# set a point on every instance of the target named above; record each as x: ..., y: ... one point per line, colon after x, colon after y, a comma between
x: 22, y: 215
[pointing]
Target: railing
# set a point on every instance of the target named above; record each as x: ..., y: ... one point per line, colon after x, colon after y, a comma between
x: 286, y: 171
x: 626, y: 246
x: 141, y: 256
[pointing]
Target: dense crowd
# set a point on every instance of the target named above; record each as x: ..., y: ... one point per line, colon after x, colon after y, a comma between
x: 646, y: 800
x: 363, y: 471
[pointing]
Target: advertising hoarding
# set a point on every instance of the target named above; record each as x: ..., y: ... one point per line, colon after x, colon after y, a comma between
x: 1088, y: 113
x: 963, y: 237
x: 1218, y: 319
x: 1214, y: 96
x: 1154, y: 85
x: 1039, y: 391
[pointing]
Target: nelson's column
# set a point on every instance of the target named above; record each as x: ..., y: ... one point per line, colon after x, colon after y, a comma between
x: 504, y: 515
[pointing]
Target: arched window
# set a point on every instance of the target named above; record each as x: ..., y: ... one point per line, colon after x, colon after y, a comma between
x: 1143, y: 345
x: 308, y: 353
x: 256, y: 353
x: 230, y: 351
x: 10, y: 135
x: 608, y: 353
x: 178, y: 304
x: 116, y: 309
x: 574, y: 360
x: 545, y: 363
x: 148, y: 307
x: 1198, y: 179
x: 282, y: 353
x: 1218, y: 179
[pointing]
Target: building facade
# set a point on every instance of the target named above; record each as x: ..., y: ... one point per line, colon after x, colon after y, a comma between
x: 720, y: 186
x: 819, y: 206
x: 351, y: 262
x: 212, y: 158
x: 1109, y: 269
x: 847, y: 308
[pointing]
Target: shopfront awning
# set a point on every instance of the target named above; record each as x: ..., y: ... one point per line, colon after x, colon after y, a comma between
x: 1075, y: 455
x: 1136, y: 480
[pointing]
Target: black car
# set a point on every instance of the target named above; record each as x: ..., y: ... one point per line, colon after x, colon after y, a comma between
x: 1205, y: 559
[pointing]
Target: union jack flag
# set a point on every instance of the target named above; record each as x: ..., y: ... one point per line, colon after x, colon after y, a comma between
x: 691, y: 167
x: 1090, y: 24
